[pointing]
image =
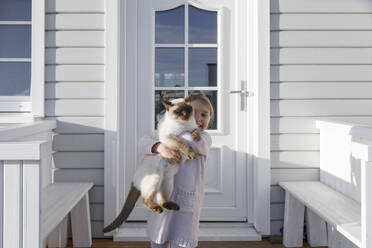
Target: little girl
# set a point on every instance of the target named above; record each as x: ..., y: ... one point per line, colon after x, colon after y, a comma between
x: 180, y: 228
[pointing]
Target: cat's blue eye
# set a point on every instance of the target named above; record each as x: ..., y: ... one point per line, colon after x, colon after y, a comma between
x: 170, y: 26
x: 202, y: 26
x: 15, y: 78
x: 15, y: 41
x: 169, y: 67
x: 203, y: 66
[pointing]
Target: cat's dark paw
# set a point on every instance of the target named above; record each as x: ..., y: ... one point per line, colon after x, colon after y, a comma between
x: 191, y: 155
x: 195, y: 135
x: 157, y: 209
x: 169, y: 205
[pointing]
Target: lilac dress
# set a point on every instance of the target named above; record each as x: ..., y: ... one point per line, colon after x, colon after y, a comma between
x: 181, y: 227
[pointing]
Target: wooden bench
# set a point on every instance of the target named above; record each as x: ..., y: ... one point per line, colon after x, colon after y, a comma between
x: 58, y: 200
x: 324, y: 206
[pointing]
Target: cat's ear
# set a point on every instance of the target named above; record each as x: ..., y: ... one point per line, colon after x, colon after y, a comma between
x: 167, y: 104
x: 188, y: 98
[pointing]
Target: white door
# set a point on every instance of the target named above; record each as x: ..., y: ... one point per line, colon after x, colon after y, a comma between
x: 185, y: 46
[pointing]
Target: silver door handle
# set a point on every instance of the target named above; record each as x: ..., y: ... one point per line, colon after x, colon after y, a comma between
x: 243, y: 94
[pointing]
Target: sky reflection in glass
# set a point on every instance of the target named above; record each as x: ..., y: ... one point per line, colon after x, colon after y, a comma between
x: 203, y: 67
x: 15, y: 10
x: 170, y: 26
x: 169, y: 67
x: 15, y: 78
x: 15, y: 41
x: 202, y: 26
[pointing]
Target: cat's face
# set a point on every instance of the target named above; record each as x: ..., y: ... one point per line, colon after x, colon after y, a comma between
x: 179, y: 110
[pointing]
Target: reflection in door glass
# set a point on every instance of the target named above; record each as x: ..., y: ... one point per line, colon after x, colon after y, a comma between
x: 161, y: 95
x: 170, y: 26
x: 169, y: 67
x: 203, y: 66
x: 15, y: 41
x: 15, y: 78
x: 15, y: 10
x: 202, y: 26
x: 212, y: 95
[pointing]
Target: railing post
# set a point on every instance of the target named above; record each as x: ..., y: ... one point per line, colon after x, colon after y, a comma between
x: 366, y: 204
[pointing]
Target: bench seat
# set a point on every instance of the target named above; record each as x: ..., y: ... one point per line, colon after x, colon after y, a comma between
x: 338, y: 210
x: 58, y: 200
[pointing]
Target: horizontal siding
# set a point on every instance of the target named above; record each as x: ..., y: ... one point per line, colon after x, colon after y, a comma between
x: 74, y: 56
x: 80, y: 6
x: 68, y: 107
x: 80, y: 21
x: 86, y: 73
x: 321, y: 56
x: 74, y: 91
x: 322, y: 90
x: 79, y: 124
x: 320, y: 6
x: 79, y: 160
x: 306, y: 21
x: 321, y: 68
x: 74, y: 38
x: 74, y: 95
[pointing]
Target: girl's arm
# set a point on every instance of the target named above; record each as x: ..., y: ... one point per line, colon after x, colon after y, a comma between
x: 149, y: 145
x: 200, y: 146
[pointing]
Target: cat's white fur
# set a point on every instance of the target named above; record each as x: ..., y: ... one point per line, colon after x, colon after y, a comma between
x: 154, y: 173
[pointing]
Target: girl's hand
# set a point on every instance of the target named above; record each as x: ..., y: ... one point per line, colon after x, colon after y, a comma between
x: 172, y: 156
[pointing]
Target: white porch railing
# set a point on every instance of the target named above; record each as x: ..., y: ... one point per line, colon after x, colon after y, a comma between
x: 20, y: 192
x: 346, y: 166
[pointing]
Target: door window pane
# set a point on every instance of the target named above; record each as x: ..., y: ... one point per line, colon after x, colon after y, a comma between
x: 202, y: 26
x: 203, y: 67
x: 212, y: 95
x: 161, y: 95
x: 15, y: 10
x: 15, y: 78
x: 170, y: 26
x: 15, y: 41
x: 169, y: 67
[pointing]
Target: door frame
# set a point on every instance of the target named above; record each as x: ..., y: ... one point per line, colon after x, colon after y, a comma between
x: 121, y: 44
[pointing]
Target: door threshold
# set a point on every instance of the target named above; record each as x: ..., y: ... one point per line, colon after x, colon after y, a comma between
x: 222, y: 231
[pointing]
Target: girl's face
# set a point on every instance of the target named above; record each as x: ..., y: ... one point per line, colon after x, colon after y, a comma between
x: 202, y: 114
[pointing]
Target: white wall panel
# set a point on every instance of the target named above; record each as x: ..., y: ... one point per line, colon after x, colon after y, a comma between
x: 74, y: 107
x: 326, y: 21
x: 283, y: 142
x: 74, y: 38
x: 324, y: 38
x: 79, y: 160
x: 287, y: 175
x: 321, y: 90
x: 80, y: 21
x: 295, y: 159
x: 74, y: 73
x: 53, y: 6
x: 75, y: 90
x: 320, y: 56
x: 73, y: 55
x: 78, y: 142
x: 74, y: 94
x: 321, y: 108
x: 79, y: 124
x: 320, y: 6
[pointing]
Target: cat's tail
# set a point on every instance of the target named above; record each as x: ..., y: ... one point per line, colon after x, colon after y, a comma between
x: 129, y: 204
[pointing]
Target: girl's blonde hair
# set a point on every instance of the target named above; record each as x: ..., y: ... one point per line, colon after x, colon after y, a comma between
x: 205, y: 101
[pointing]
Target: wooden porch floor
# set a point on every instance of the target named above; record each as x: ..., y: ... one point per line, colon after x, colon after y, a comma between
x: 266, y: 243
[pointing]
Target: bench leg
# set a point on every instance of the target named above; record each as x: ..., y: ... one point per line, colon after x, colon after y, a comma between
x: 316, y: 229
x: 80, y: 224
x: 293, y: 222
x: 58, y: 237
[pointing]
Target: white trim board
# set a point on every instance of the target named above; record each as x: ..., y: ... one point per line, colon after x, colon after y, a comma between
x: 117, y: 80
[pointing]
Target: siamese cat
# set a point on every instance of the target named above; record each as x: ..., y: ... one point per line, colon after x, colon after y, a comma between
x: 153, y: 177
